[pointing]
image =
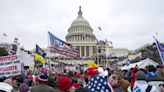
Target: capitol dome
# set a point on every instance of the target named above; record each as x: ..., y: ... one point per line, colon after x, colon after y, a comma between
x: 79, y: 21
x: 80, y: 35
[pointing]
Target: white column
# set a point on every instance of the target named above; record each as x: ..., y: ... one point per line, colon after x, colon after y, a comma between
x: 91, y: 49
x: 89, y: 38
x: 80, y: 50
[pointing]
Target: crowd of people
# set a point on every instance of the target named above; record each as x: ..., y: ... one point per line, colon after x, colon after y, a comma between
x: 92, y: 79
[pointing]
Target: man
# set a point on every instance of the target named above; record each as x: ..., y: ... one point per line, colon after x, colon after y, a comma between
x: 156, y: 79
x: 42, y: 87
x: 141, y: 85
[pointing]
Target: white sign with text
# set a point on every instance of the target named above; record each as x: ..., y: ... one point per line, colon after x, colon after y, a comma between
x: 10, y: 66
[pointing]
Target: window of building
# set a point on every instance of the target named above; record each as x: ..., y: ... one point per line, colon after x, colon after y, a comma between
x: 82, y: 50
x: 87, y: 51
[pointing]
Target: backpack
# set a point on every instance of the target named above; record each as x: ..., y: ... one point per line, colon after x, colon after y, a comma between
x: 147, y: 89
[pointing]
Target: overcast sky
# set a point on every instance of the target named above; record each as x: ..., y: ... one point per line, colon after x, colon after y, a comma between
x: 127, y: 23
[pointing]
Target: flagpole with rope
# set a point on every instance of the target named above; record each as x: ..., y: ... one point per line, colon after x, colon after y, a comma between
x: 98, y: 49
x: 158, y: 50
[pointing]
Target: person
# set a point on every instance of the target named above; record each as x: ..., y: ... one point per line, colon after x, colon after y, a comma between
x: 74, y: 87
x: 51, y: 80
x: 134, y: 70
x: 64, y: 84
x: 99, y: 84
x: 81, y: 90
x: 151, y: 71
x: 122, y: 84
x: 141, y: 85
x: 161, y: 86
x: 113, y: 82
x: 23, y: 86
x: 160, y: 72
x: 15, y: 83
x: 8, y: 81
x: 156, y: 79
x: 5, y: 87
x: 42, y: 86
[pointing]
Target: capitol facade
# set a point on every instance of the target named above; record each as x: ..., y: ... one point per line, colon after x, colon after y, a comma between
x: 80, y: 35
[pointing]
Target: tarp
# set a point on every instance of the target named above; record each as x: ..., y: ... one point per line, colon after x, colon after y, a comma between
x: 141, y: 64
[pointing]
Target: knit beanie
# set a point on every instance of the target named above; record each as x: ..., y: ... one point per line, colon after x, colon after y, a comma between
x: 141, y: 75
x: 64, y: 83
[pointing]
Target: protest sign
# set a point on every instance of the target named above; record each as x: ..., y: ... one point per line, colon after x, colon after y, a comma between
x: 10, y: 66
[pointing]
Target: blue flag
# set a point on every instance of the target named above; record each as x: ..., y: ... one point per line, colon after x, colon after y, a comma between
x: 99, y: 84
x: 160, y: 48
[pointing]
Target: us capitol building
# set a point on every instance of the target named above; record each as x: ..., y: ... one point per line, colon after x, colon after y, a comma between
x: 80, y: 35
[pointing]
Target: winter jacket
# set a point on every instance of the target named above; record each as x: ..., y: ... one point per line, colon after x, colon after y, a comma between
x: 41, y: 88
x: 124, y: 84
x: 150, y: 74
x: 141, y: 86
x: 155, y: 80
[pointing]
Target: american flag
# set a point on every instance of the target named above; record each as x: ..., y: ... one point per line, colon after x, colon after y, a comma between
x: 99, y: 28
x: 99, y: 84
x: 12, y: 50
x: 161, y: 47
x: 59, y: 46
x: 4, y: 34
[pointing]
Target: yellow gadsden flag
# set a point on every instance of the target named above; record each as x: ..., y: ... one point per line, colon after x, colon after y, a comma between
x: 92, y: 64
x: 39, y: 58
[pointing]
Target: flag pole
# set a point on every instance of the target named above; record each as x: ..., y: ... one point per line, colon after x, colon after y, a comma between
x: 158, y: 50
x: 48, y: 50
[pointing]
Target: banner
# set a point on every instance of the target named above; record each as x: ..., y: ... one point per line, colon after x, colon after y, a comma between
x: 59, y: 46
x: 10, y: 66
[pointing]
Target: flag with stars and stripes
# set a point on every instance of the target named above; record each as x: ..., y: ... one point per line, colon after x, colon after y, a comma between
x: 59, y: 46
x: 99, y: 84
x: 99, y: 28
